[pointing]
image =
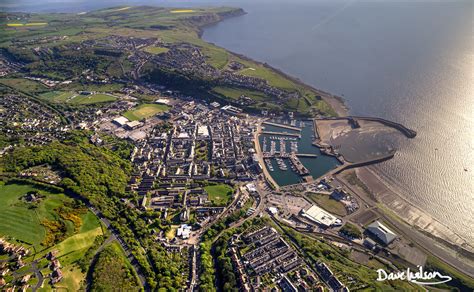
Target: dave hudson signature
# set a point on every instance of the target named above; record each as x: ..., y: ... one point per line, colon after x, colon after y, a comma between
x: 418, y: 277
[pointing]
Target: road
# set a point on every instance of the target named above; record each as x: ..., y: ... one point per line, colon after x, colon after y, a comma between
x: 38, y: 275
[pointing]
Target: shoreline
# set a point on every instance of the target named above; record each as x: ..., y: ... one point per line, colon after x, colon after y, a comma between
x: 419, y: 218
x: 342, y: 109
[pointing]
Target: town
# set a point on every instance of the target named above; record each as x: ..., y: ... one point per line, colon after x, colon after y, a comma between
x: 136, y: 156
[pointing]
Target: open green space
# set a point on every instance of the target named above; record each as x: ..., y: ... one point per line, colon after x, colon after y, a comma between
x: 327, y: 203
x: 156, y: 50
x: 93, y: 98
x: 27, y: 222
x: 57, y: 96
x: 21, y: 222
x: 258, y: 70
x: 220, y: 194
x: 235, y: 93
x: 144, y: 111
x: 25, y: 85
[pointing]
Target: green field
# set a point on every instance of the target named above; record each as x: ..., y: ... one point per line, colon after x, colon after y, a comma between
x: 156, y: 50
x: 328, y: 204
x: 19, y: 222
x: 219, y: 195
x: 57, y: 96
x: 25, y: 85
x: 145, y: 111
x: 93, y: 98
x: 235, y: 93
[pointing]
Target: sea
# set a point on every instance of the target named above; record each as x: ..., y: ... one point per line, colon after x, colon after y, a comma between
x: 407, y: 61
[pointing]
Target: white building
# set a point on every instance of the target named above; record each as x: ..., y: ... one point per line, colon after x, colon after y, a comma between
x: 121, y: 121
x: 184, y: 231
x: 320, y: 216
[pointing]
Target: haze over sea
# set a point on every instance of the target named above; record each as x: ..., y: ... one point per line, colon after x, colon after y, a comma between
x: 407, y: 61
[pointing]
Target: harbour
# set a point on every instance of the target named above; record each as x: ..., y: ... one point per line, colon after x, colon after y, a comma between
x: 289, y: 153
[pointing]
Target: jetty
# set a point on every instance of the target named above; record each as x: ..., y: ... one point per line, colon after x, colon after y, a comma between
x: 300, y: 168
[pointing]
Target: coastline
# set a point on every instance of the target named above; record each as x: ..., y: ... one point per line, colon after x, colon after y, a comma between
x: 439, y: 233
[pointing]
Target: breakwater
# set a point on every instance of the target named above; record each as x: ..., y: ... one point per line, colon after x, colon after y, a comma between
x: 409, y: 133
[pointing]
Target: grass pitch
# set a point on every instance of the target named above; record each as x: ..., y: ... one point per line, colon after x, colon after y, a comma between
x: 145, y: 111
x: 219, y: 195
x: 75, y: 98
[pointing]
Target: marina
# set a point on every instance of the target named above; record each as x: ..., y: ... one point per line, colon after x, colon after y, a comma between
x: 289, y: 152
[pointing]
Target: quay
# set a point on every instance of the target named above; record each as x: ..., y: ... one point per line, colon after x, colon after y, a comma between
x: 282, y: 126
x: 281, y: 134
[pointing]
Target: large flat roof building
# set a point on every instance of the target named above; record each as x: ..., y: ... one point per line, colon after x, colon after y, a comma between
x: 121, y: 121
x: 320, y: 216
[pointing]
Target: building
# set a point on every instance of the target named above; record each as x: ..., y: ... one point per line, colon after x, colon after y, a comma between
x: 320, y: 216
x: 203, y: 131
x: 251, y: 188
x: 231, y: 110
x: 381, y: 232
x: 133, y: 125
x: 120, y: 121
x: 164, y: 101
x: 184, y: 231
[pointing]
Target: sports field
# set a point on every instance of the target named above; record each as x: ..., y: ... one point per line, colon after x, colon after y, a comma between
x: 145, y: 111
x: 57, y: 96
x: 219, y: 195
x: 75, y: 98
x: 93, y: 98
